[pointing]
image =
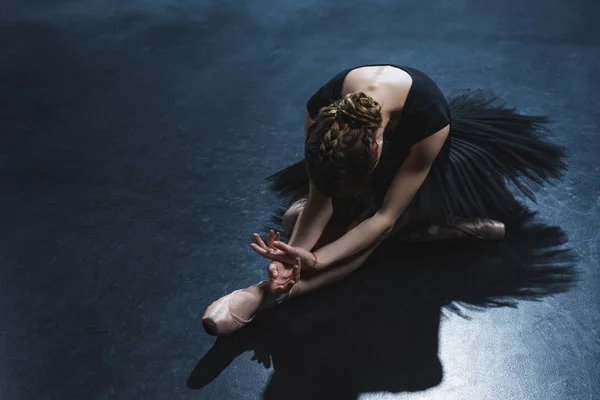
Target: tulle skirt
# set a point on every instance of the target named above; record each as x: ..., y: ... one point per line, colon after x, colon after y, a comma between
x: 492, y: 155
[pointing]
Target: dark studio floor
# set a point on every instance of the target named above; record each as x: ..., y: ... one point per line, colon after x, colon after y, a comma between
x: 134, y: 144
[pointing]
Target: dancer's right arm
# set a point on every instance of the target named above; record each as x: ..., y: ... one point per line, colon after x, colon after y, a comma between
x: 312, y: 220
x: 316, y: 213
x: 309, y: 227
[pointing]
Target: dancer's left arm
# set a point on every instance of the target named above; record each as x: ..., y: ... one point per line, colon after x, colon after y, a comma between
x: 371, y: 232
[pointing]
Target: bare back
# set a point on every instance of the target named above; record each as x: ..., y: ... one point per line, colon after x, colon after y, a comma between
x: 388, y: 85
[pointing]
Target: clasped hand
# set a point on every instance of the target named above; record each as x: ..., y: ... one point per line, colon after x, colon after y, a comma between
x: 286, y: 261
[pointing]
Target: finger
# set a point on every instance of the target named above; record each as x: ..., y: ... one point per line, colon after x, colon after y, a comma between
x: 259, y: 250
x: 270, y: 238
x: 280, y: 256
x: 297, y: 268
x: 264, y: 252
x: 288, y: 286
x: 273, y: 273
x: 275, y: 286
x: 278, y: 286
x: 278, y: 253
x: 259, y: 240
x: 284, y: 259
x: 284, y: 247
x: 277, y: 237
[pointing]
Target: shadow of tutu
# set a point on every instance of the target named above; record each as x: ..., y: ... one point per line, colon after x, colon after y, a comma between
x: 377, y: 330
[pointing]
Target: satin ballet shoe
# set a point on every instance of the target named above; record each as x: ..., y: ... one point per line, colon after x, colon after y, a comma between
x: 491, y: 230
x: 483, y: 229
x: 220, y: 320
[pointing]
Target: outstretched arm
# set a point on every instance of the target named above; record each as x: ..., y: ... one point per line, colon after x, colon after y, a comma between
x: 316, y: 213
x: 309, y: 227
x: 312, y: 220
x: 371, y: 232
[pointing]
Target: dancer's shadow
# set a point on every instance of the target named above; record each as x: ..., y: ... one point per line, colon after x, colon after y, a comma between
x: 378, y: 329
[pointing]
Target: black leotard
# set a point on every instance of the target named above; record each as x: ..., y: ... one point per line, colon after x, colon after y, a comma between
x: 425, y: 111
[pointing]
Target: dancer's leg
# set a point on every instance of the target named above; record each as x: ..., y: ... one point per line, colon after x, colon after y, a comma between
x: 458, y: 229
x: 231, y: 312
x: 247, y: 302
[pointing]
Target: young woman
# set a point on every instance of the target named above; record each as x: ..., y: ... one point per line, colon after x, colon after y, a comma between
x: 386, y: 154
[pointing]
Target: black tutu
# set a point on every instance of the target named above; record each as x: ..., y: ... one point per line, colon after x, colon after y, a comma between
x: 492, y: 154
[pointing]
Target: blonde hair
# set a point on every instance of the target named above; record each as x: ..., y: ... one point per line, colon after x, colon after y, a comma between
x: 338, y: 149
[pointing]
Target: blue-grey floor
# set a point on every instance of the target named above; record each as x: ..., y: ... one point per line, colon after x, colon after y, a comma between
x: 135, y: 139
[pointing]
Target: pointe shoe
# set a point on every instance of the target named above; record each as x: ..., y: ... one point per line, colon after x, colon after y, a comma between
x: 491, y: 230
x: 220, y: 320
x: 483, y: 229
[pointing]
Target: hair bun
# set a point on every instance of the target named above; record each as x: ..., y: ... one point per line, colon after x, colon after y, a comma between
x: 359, y: 109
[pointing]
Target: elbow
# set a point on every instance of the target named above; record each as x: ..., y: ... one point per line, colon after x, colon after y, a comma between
x: 386, y: 223
x: 389, y: 230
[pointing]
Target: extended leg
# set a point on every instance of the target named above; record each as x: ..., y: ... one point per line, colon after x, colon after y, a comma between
x: 459, y: 229
x: 482, y: 229
x: 235, y: 310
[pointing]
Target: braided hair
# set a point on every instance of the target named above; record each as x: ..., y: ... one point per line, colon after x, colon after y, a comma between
x: 339, y: 146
